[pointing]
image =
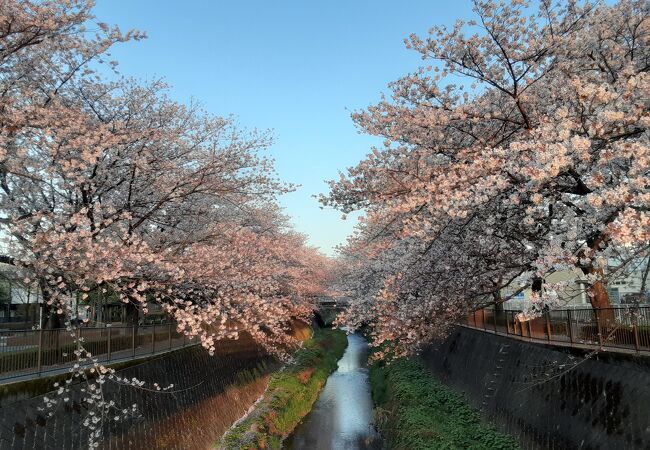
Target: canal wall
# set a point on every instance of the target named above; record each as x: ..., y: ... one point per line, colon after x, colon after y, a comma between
x: 549, y: 397
x: 209, y: 394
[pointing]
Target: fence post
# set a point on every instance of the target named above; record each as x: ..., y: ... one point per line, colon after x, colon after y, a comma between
x: 39, y: 362
x: 133, y: 340
x: 494, y: 320
x: 507, y: 322
x: 108, y: 343
x: 153, y: 339
x: 548, y: 325
x: 570, y: 329
x: 474, y: 316
x: 484, y: 324
x: 600, y: 331
x: 515, y: 324
x: 170, y: 335
x: 635, y: 330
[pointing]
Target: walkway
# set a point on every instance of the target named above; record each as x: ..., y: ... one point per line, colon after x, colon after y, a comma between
x: 28, y: 354
x: 623, y: 329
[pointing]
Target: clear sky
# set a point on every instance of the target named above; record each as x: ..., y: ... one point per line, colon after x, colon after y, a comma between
x: 297, y: 67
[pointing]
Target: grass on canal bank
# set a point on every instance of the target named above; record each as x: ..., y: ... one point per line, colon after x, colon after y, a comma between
x: 290, y: 395
x: 416, y: 412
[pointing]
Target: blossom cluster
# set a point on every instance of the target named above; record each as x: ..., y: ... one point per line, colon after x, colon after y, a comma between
x: 112, y: 187
x: 520, y: 149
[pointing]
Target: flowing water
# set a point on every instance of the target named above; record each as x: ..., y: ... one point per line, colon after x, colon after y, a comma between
x: 342, y: 416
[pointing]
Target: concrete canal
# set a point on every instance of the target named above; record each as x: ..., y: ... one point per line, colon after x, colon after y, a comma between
x: 342, y: 416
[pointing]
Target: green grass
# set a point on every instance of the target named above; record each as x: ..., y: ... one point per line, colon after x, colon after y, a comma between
x: 416, y: 412
x: 290, y: 395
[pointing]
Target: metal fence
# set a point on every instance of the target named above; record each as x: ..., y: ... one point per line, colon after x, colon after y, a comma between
x: 621, y: 328
x: 32, y: 352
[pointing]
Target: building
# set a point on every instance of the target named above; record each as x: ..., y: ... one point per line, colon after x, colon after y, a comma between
x: 623, y: 287
x: 19, y: 301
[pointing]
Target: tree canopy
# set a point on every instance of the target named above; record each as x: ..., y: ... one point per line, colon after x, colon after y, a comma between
x: 111, y: 185
x: 520, y: 148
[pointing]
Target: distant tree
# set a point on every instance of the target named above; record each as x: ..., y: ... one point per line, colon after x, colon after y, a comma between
x: 520, y: 150
x: 5, y: 292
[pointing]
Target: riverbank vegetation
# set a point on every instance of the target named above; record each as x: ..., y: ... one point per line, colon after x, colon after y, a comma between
x: 414, y: 411
x: 290, y: 395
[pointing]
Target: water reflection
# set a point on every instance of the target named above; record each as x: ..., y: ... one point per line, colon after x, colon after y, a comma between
x: 342, y: 416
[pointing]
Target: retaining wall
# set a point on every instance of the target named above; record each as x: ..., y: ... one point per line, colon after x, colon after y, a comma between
x: 210, y: 393
x: 549, y: 398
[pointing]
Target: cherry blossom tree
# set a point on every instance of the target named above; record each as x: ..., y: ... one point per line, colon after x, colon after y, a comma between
x: 113, y: 186
x: 519, y: 149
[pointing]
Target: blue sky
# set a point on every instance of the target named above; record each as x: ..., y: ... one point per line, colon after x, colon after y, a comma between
x: 296, y: 67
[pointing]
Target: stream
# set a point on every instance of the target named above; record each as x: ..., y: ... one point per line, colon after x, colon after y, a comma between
x: 342, y: 415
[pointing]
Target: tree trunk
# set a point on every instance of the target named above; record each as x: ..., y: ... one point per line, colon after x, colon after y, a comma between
x: 50, y: 319
x: 132, y: 317
x: 644, y: 277
x: 599, y: 299
x: 537, y: 284
x: 50, y: 322
x: 598, y: 296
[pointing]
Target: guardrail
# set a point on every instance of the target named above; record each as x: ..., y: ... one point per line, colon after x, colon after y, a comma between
x: 621, y: 328
x: 33, y: 352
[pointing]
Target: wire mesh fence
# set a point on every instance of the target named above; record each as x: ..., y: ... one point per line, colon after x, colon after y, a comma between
x: 32, y: 352
x: 625, y: 327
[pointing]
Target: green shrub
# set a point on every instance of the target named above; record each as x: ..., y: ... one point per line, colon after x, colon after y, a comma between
x: 416, y: 412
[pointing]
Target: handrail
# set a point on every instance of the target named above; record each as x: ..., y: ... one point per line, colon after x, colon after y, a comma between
x: 35, y: 352
x: 622, y: 328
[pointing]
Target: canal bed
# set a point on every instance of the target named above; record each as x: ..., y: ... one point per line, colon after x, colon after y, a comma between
x: 342, y: 415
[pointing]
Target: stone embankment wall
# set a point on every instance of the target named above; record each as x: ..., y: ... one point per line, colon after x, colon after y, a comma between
x: 209, y: 394
x: 549, y: 398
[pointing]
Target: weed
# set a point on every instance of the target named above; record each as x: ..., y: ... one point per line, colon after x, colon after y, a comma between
x: 416, y: 412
